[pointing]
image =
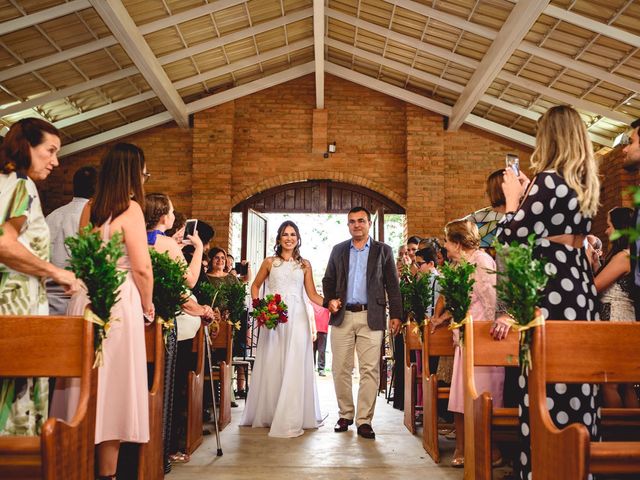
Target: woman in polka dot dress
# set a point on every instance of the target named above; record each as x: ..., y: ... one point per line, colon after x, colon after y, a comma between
x: 557, y: 207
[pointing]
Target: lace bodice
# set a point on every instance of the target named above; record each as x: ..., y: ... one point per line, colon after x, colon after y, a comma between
x: 286, y: 278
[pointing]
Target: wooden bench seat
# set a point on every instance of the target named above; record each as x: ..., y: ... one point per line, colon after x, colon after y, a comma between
x: 41, y: 346
x: 150, y: 459
x: 195, y: 395
x: 580, y: 352
x: 412, y: 343
x: 482, y: 421
x: 437, y: 344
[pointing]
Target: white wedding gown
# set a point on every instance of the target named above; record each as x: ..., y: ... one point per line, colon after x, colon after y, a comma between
x: 283, y: 393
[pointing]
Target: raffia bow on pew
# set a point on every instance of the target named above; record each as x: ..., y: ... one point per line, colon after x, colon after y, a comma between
x: 456, y: 285
x: 94, y: 261
x: 417, y: 298
x: 229, y: 298
x: 170, y: 290
x: 520, y: 284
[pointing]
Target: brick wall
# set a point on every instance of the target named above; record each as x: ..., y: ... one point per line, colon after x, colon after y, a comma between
x: 168, y: 152
x: 264, y: 140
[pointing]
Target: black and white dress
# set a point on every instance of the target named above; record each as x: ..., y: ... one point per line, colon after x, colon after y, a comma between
x: 551, y: 208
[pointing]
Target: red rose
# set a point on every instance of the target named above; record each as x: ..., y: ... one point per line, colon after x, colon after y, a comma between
x: 256, y: 302
x: 273, y: 308
x: 277, y: 298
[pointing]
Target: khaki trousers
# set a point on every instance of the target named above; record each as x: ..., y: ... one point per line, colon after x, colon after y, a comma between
x: 354, y: 334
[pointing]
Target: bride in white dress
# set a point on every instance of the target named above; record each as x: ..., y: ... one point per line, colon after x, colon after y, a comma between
x: 283, y: 393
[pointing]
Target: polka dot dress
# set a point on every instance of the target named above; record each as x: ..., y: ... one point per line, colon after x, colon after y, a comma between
x: 552, y: 208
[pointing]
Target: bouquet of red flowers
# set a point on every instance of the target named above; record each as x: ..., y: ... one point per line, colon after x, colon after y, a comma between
x: 269, y: 311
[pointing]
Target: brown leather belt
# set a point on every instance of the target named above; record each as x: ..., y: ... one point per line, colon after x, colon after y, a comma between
x: 356, y: 308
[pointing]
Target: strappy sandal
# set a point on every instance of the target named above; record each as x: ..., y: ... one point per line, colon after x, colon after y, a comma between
x: 179, y: 457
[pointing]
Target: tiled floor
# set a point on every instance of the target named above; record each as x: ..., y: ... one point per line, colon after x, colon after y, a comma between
x: 319, y: 454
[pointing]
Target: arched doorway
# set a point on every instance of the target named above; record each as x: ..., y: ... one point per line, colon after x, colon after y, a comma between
x: 312, y: 197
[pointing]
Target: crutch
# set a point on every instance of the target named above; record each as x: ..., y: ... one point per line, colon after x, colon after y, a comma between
x: 213, y: 392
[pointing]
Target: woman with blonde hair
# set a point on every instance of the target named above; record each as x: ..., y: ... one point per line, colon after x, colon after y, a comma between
x: 557, y: 208
x: 462, y: 241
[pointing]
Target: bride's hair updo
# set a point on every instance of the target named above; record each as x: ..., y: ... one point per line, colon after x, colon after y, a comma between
x: 278, y: 248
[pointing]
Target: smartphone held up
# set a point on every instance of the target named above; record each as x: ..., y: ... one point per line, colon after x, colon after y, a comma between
x: 190, y: 227
x: 513, y: 161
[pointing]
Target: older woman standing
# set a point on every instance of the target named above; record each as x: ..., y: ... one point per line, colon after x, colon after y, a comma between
x: 462, y: 241
x: 28, y: 154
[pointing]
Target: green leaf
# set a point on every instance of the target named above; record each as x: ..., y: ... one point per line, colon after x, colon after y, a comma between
x: 170, y: 289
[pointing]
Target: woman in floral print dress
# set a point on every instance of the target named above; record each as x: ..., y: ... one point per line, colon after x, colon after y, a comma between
x: 28, y: 154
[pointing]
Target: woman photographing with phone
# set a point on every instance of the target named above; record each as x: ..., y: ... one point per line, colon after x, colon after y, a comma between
x: 557, y: 208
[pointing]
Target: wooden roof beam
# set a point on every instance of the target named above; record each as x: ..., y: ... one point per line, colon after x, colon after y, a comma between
x: 530, y: 47
x: 43, y: 16
x: 426, y: 103
x: 116, y: 17
x: 193, y: 107
x: 593, y: 25
x: 164, y: 60
x: 473, y: 64
x: 514, y: 29
x: 318, y: 50
x: 111, y: 40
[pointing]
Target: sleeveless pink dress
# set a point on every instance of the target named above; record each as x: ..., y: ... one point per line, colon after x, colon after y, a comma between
x: 122, y: 404
x: 483, y: 307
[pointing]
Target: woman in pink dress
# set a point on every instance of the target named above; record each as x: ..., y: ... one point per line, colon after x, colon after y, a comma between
x: 462, y: 241
x: 122, y: 413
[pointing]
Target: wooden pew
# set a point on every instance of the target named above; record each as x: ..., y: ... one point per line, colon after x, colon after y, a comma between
x: 412, y: 343
x: 42, y: 346
x: 437, y: 344
x: 481, y: 420
x: 580, y: 352
x: 150, y: 459
x: 222, y: 345
x: 195, y: 395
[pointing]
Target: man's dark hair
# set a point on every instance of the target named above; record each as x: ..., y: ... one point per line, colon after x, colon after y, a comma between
x: 84, y: 182
x: 635, y: 123
x: 413, y: 239
x: 360, y: 209
x: 428, y: 254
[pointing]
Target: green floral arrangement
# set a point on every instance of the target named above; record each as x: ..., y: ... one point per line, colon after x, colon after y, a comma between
x: 206, y: 294
x: 519, y: 288
x: 170, y: 289
x: 230, y: 299
x: 456, y: 284
x: 94, y: 261
x: 417, y: 297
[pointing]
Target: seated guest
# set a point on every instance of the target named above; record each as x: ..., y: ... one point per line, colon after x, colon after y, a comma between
x: 64, y: 222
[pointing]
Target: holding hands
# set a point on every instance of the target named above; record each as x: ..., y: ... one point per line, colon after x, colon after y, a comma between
x: 335, y: 305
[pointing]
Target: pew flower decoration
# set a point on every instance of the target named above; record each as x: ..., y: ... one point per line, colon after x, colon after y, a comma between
x: 170, y: 290
x: 519, y: 288
x: 94, y: 261
x: 456, y: 285
x: 230, y: 299
x: 270, y: 311
x: 417, y: 298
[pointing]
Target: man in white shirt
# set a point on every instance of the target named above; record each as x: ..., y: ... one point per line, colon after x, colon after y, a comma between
x: 64, y: 222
